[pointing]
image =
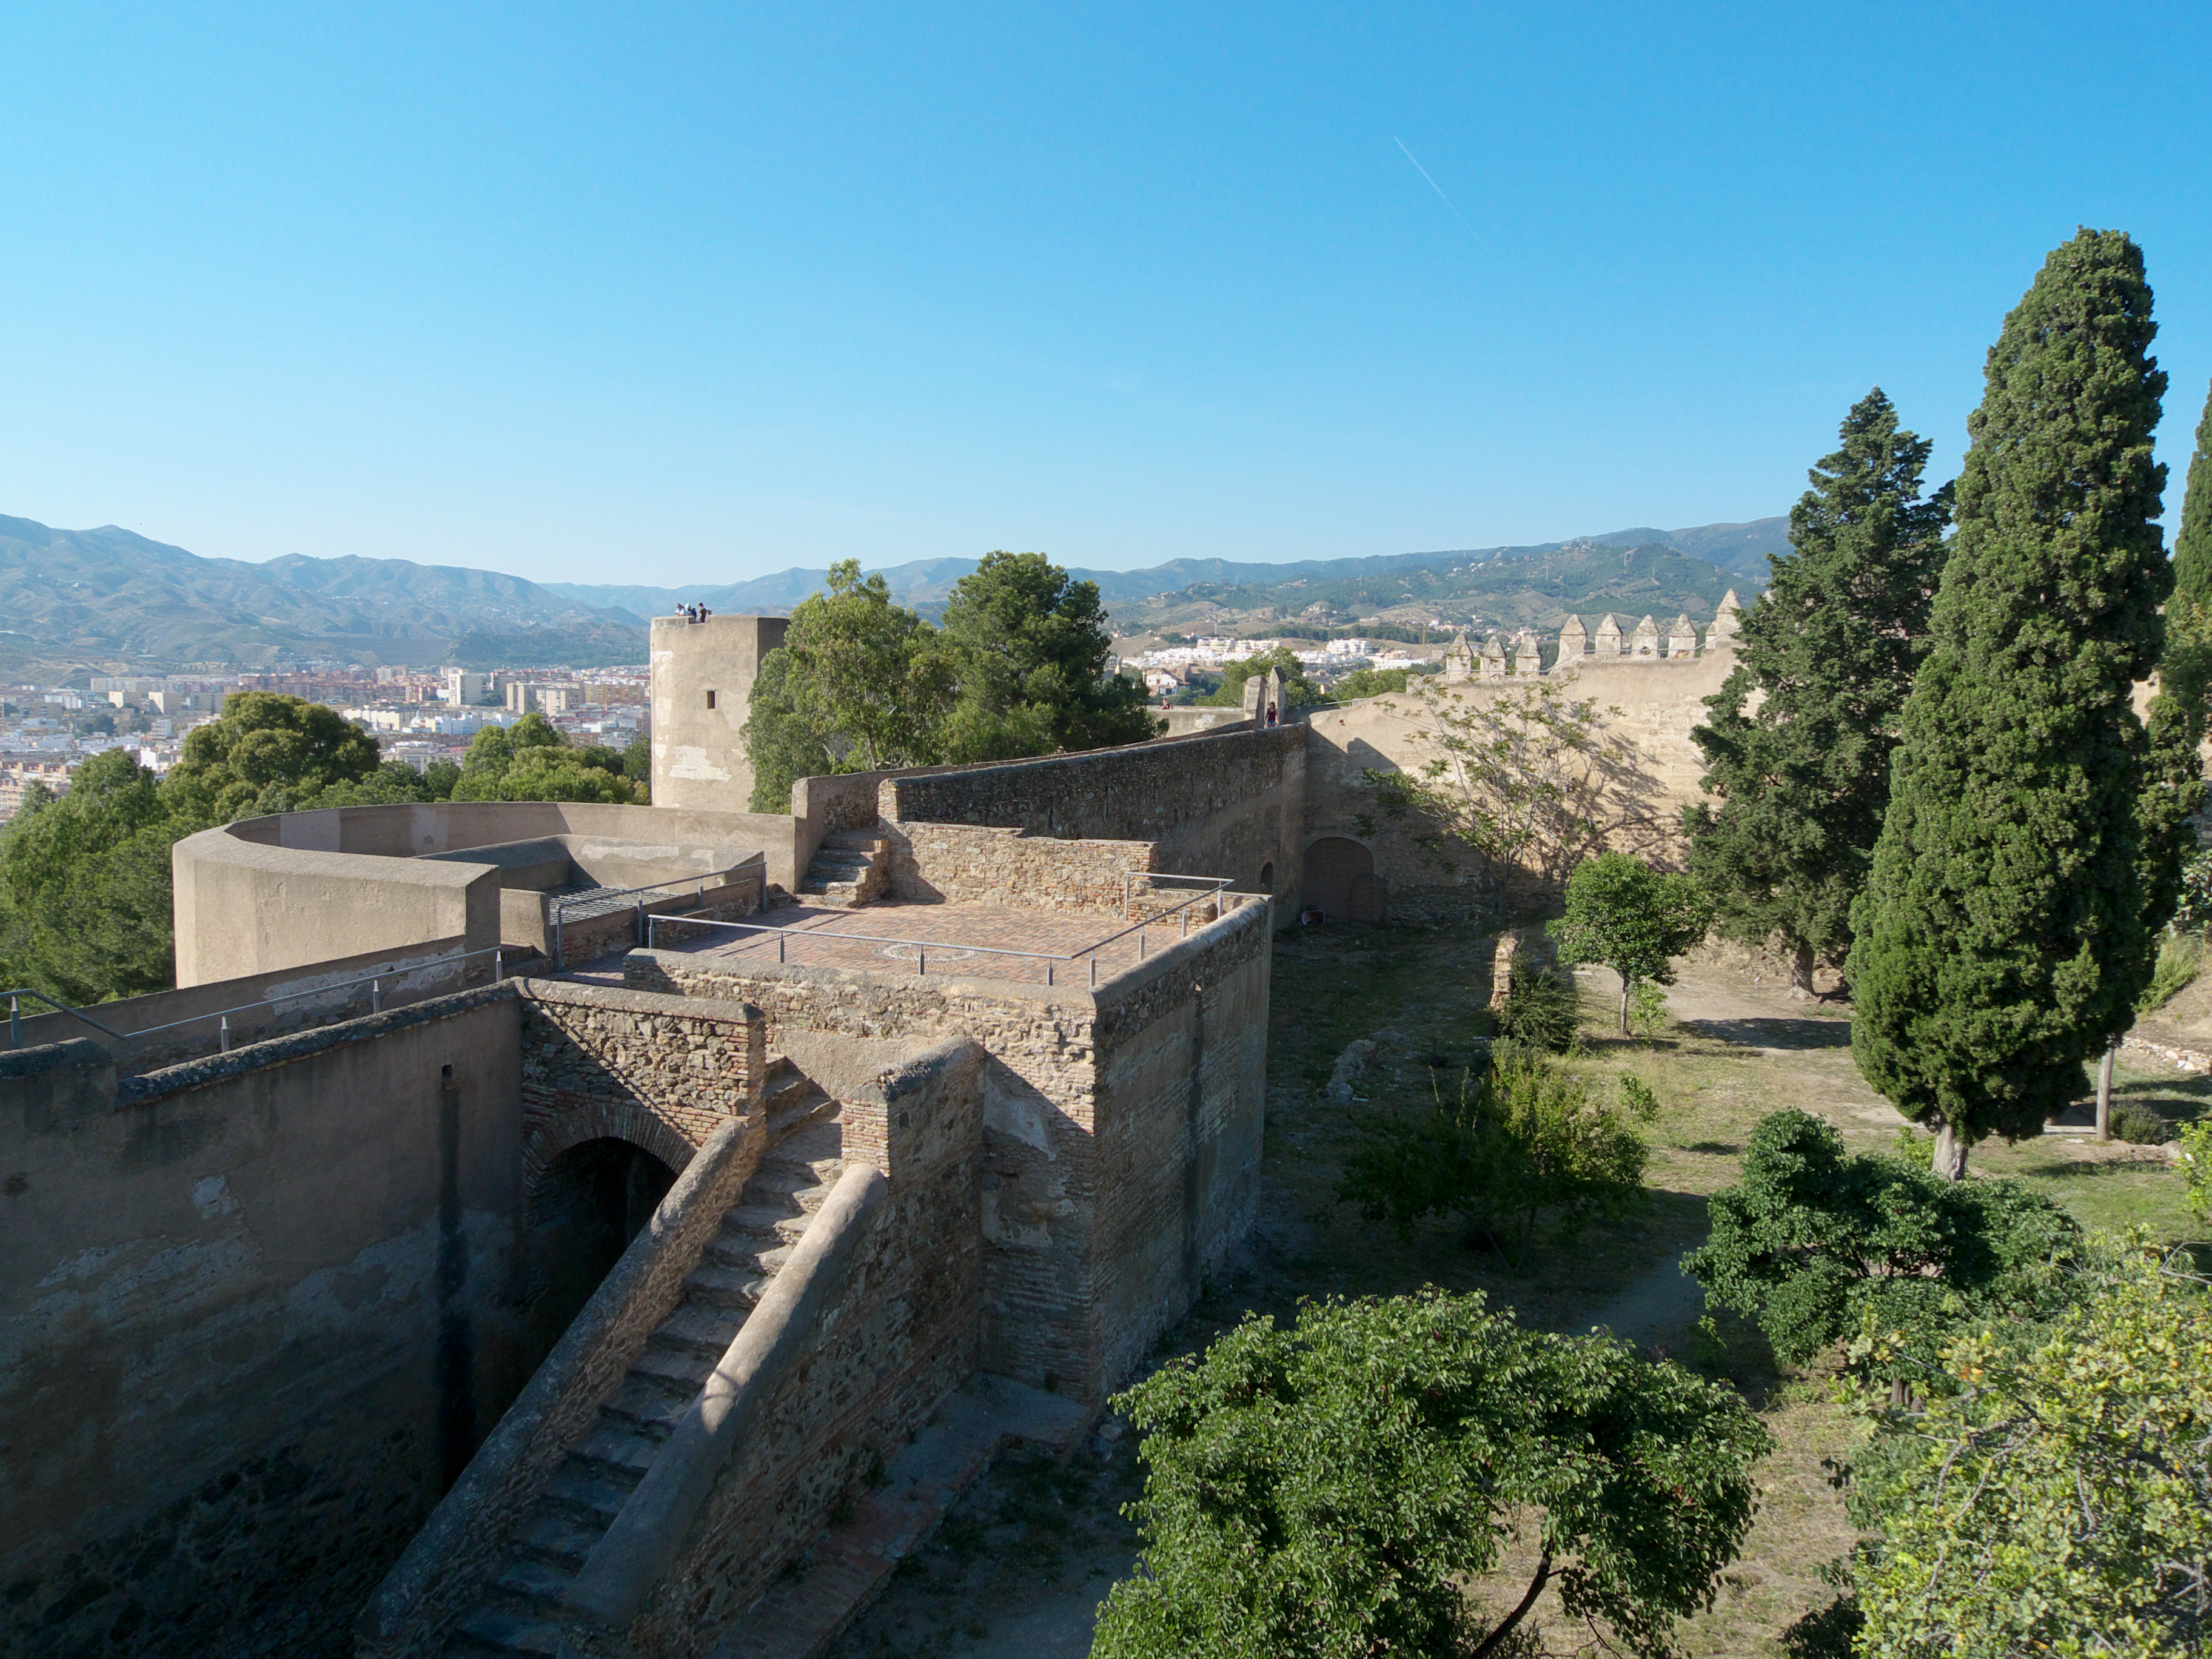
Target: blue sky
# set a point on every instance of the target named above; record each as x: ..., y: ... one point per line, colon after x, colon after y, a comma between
x: 672, y: 293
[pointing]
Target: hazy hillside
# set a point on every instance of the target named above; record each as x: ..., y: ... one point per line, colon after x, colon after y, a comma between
x: 92, y: 601
x: 1510, y: 587
x: 1740, y: 550
x: 78, y: 602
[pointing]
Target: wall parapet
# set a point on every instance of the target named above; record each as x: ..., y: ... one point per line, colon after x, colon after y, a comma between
x: 445, y: 1569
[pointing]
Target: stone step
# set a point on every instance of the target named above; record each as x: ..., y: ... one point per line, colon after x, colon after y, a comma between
x: 677, y: 1367
x: 807, y: 1143
x: 656, y: 1404
x: 744, y: 1252
x: 550, y: 1532
x: 794, y: 1183
x: 713, y: 1285
x: 836, y: 864
x: 534, y: 1581
x: 591, y: 1489
x: 619, y: 1443
x: 707, y: 1332
x: 496, y: 1630
x: 857, y: 841
x: 781, y: 1220
x: 794, y: 1109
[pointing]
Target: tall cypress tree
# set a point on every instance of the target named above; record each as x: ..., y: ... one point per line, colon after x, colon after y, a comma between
x: 2176, y: 722
x: 1803, y: 781
x: 2002, y: 934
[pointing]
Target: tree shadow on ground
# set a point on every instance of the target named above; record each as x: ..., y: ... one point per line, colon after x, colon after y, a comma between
x: 1775, y: 1032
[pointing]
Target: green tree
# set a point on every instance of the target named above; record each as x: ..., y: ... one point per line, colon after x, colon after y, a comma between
x: 84, y: 886
x: 1528, y: 1141
x: 2002, y: 934
x: 2175, y: 722
x: 1325, y: 1490
x: 2055, y: 1495
x: 779, y: 745
x: 1027, y: 647
x: 1371, y: 683
x: 1298, y: 691
x: 1831, y: 648
x: 637, y: 765
x: 1632, y: 918
x: 267, y: 743
x: 1819, y: 1244
x: 858, y: 683
x: 532, y: 760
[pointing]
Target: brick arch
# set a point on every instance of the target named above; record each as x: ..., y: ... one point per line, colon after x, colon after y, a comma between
x: 599, y: 1119
x: 1340, y: 880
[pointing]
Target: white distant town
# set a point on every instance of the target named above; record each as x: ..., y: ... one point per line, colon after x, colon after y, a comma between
x: 417, y: 716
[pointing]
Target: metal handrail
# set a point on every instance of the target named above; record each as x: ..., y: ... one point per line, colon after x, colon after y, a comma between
x: 602, y: 895
x: 922, y: 945
x: 15, y: 1015
x: 374, y: 982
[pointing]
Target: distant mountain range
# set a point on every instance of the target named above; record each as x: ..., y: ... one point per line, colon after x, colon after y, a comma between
x: 1741, y: 551
x: 79, y: 602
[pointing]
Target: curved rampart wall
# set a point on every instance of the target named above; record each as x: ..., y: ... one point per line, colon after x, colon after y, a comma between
x: 289, y: 891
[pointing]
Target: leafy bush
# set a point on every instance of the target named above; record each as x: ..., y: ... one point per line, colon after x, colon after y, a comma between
x: 1325, y: 1490
x: 1818, y: 1245
x: 1541, y: 1007
x: 2195, y: 1167
x: 2194, y: 914
x: 1527, y: 1142
x: 1647, y: 1011
x: 2051, y: 1498
x: 2139, y: 1126
x: 2180, y: 960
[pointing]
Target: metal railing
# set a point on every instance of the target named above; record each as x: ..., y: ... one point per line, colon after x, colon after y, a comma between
x: 15, y: 1015
x: 606, y: 895
x: 1052, y: 960
x: 374, y: 982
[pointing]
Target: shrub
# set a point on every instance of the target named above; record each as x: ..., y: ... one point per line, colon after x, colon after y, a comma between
x: 2180, y: 960
x: 1819, y: 1244
x: 1527, y: 1142
x: 1541, y: 1007
x: 2139, y: 1126
x: 2050, y: 1499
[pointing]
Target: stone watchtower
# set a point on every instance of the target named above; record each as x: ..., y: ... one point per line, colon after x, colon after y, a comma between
x: 703, y: 680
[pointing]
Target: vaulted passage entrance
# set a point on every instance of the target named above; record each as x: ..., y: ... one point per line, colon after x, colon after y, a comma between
x: 1341, y: 883
x: 590, y: 1201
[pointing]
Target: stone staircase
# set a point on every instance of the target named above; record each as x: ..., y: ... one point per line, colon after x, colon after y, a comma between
x: 520, y: 1611
x: 851, y: 868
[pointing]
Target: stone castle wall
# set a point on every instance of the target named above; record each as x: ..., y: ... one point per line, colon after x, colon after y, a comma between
x: 659, y: 1072
x: 1227, y: 803
x: 1121, y: 1128
x: 254, y: 1311
x: 966, y: 864
x: 1650, y: 703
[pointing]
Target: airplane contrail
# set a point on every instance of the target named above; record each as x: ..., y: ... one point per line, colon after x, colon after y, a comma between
x: 1433, y: 185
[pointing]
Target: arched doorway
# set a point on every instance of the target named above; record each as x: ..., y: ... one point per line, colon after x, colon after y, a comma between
x: 585, y: 1207
x: 1341, y: 881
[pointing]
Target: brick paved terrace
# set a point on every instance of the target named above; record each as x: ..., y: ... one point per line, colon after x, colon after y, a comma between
x: 952, y: 938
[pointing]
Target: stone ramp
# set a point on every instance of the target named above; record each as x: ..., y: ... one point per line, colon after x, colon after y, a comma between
x: 521, y: 1611
x: 847, y: 1566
